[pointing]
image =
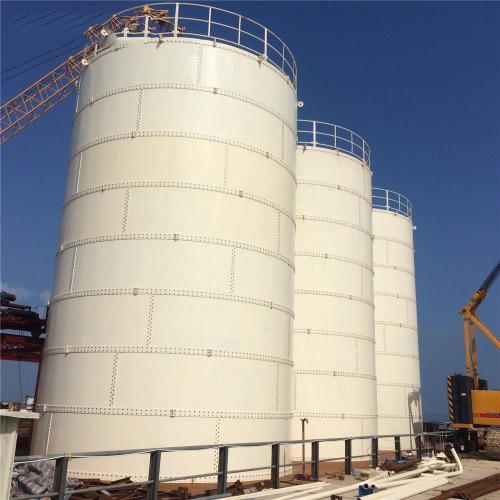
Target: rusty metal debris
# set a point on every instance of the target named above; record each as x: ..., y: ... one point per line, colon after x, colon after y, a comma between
x: 472, y: 490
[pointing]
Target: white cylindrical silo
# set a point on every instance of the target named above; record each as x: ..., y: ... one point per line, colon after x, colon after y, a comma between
x: 334, y: 343
x: 397, y: 358
x: 171, y: 317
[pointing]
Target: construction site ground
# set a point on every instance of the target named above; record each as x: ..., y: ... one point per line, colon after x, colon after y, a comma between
x: 475, y: 468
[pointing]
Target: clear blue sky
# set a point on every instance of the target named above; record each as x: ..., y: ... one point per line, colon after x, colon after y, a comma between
x: 418, y: 81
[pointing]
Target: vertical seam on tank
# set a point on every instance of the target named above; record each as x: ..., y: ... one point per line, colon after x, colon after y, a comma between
x: 47, y: 435
x: 282, y: 141
x: 294, y: 392
x: 216, y: 441
x: 77, y: 184
x: 359, y: 211
x: 232, y: 270
x: 384, y: 337
x: 198, y: 71
x: 226, y: 164
x: 126, y: 210
x: 386, y: 252
x: 289, y: 336
x: 150, y: 320
x: 356, y: 352
x: 139, y: 110
x: 362, y: 282
x: 113, y: 380
x: 72, y: 272
x: 277, y: 386
x: 279, y: 231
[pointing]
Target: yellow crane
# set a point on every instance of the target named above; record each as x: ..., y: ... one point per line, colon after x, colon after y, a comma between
x: 470, y: 403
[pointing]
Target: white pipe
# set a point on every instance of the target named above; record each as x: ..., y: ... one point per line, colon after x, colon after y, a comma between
x: 385, y: 485
x: 409, y: 489
x: 416, y: 489
x: 421, y: 485
x: 292, y: 495
x: 288, y: 489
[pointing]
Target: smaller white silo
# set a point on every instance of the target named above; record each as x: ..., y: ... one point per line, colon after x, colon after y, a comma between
x: 396, y: 333
x: 334, y: 340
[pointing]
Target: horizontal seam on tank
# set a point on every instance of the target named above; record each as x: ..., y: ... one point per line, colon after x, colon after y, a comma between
x: 312, y: 331
x: 395, y: 295
x: 336, y: 152
x: 397, y: 268
x: 393, y: 212
x: 243, y: 51
x: 174, y: 237
x: 187, y: 86
x: 397, y: 354
x: 389, y: 415
x: 398, y: 384
x: 335, y: 186
x: 178, y: 185
x: 333, y: 221
x: 327, y: 293
x: 385, y: 238
x: 401, y: 325
x: 324, y: 414
x: 335, y: 257
x: 140, y: 349
x: 334, y: 373
x: 105, y: 52
x: 169, y: 412
x: 162, y: 133
x: 172, y: 292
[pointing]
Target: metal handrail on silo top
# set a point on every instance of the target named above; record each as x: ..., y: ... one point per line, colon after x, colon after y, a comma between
x: 220, y: 25
x: 391, y: 201
x: 327, y: 135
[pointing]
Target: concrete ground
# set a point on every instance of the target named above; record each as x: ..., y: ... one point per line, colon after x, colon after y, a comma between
x: 474, y: 469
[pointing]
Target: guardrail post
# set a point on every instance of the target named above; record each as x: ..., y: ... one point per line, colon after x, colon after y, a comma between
x: 397, y: 448
x: 176, y: 19
x: 60, y: 477
x: 315, y: 460
x: 348, y: 457
x: 418, y: 443
x: 154, y: 474
x: 265, y: 43
x: 275, y: 464
x: 374, y: 452
x: 433, y: 443
x: 222, y: 472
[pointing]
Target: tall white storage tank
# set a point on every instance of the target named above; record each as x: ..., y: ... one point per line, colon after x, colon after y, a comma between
x: 334, y: 342
x: 171, y: 317
x: 397, y: 359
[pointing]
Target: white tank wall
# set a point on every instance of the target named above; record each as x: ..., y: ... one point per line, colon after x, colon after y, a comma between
x: 171, y: 317
x: 397, y: 358
x: 334, y: 343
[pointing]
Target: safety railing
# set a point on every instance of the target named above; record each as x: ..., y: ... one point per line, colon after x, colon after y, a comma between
x: 391, y: 201
x: 61, y: 466
x: 219, y: 25
x: 329, y: 136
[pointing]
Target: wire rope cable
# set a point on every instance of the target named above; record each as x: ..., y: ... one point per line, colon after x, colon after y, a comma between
x: 40, y: 55
x: 39, y: 64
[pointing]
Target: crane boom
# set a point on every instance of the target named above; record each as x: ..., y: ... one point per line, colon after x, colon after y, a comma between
x: 469, y: 315
x: 43, y: 95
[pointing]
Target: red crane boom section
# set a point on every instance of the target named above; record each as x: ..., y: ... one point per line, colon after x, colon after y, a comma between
x: 43, y: 95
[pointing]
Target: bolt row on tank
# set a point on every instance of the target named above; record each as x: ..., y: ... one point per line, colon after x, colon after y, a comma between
x: 255, y: 277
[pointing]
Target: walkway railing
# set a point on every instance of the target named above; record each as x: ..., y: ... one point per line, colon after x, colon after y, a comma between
x: 391, y: 201
x: 187, y: 20
x: 61, y: 467
x: 329, y: 136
